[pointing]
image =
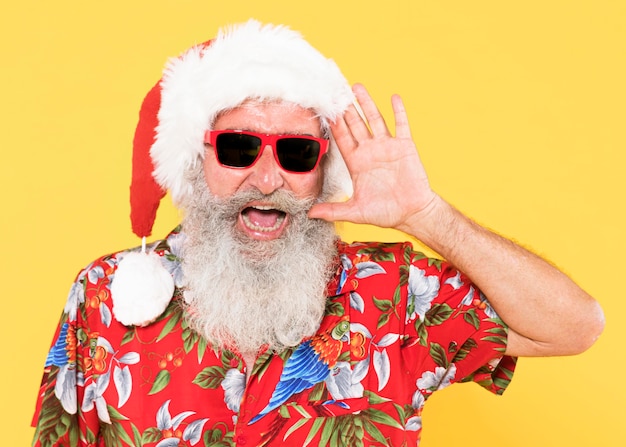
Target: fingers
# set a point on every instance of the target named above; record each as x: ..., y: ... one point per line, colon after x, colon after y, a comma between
x: 344, y: 139
x: 324, y: 211
x: 357, y: 123
x: 370, y: 110
x: 334, y: 212
x: 403, y: 129
x: 352, y: 127
x: 363, y: 121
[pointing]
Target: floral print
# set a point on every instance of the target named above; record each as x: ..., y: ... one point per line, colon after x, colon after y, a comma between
x: 398, y: 327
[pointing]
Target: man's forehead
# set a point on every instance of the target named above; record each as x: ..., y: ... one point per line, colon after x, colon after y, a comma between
x: 269, y: 116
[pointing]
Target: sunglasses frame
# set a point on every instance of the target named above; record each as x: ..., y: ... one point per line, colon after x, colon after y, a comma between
x: 210, y: 138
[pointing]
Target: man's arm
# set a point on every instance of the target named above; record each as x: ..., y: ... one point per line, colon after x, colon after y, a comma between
x: 547, y: 313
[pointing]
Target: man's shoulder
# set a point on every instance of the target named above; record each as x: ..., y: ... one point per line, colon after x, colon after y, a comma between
x: 373, y: 261
x: 395, y: 252
x: 93, y: 288
x: 365, y: 259
x: 360, y: 247
x: 105, y: 265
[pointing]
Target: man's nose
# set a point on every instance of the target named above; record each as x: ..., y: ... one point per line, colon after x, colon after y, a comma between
x: 266, y: 175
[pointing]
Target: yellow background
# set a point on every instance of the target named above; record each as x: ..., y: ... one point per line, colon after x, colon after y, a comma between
x: 518, y: 109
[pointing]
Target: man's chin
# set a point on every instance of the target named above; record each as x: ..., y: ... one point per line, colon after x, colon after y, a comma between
x: 257, y: 250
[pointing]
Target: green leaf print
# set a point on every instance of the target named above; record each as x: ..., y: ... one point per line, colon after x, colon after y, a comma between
x: 317, y: 424
x: 151, y: 435
x: 161, y: 381
x: 218, y: 438
x: 173, y: 321
x: 382, y: 320
x: 334, y: 308
x: 210, y: 377
x: 382, y: 305
x: 421, y: 332
x: 381, y: 417
x: 128, y: 336
x: 472, y: 318
x: 136, y: 435
x: 438, y: 314
x: 438, y: 354
x: 469, y: 344
x: 374, y: 432
x: 327, y: 431
x: 377, y: 254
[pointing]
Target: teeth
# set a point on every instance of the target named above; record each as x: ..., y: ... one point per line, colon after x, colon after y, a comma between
x: 276, y: 226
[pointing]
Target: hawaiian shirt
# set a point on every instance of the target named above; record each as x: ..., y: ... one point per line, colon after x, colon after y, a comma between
x: 398, y: 326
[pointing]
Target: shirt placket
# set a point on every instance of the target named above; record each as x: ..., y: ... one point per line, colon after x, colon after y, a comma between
x: 245, y: 434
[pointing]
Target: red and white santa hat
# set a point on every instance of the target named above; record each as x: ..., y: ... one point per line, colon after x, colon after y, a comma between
x: 246, y: 61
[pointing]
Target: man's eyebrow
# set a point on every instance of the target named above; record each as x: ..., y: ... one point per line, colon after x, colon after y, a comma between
x: 305, y: 134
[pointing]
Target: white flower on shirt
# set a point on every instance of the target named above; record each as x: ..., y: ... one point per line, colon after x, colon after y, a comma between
x: 341, y: 383
x: 234, y: 385
x: 422, y: 290
x: 437, y: 380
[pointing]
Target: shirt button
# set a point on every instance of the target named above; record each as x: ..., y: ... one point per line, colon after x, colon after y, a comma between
x: 241, y: 440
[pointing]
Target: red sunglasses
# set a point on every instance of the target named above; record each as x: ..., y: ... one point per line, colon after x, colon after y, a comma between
x: 242, y: 149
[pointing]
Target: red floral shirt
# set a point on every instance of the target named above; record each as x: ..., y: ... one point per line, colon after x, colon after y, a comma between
x: 398, y: 326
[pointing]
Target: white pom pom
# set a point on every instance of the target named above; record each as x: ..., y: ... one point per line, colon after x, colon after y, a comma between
x: 141, y: 289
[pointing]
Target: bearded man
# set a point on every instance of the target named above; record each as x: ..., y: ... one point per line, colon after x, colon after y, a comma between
x: 252, y: 324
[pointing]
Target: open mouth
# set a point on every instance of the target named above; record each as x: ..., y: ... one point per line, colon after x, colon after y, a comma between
x: 263, y: 219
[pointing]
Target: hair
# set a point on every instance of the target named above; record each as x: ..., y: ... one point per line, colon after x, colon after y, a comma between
x: 245, y: 294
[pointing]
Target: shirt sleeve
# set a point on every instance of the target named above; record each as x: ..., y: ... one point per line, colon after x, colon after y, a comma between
x: 450, y: 318
x: 58, y: 418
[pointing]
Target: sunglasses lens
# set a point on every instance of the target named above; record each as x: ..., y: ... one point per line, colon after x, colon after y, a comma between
x: 297, y: 154
x: 236, y: 149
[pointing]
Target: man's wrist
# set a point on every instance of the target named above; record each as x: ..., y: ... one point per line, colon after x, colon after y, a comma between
x: 438, y: 225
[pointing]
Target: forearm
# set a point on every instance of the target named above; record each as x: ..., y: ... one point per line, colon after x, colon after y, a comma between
x: 547, y: 313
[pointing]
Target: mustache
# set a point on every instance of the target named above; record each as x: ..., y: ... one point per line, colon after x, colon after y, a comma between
x: 281, y: 200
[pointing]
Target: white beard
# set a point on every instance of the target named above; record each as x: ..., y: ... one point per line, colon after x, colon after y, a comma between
x: 246, y: 294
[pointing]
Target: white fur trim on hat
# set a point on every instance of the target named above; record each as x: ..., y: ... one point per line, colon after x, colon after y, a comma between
x: 248, y: 61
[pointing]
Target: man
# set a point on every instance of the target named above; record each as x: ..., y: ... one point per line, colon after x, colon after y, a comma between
x: 251, y: 324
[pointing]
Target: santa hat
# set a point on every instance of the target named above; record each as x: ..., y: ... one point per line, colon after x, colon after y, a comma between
x: 246, y: 61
